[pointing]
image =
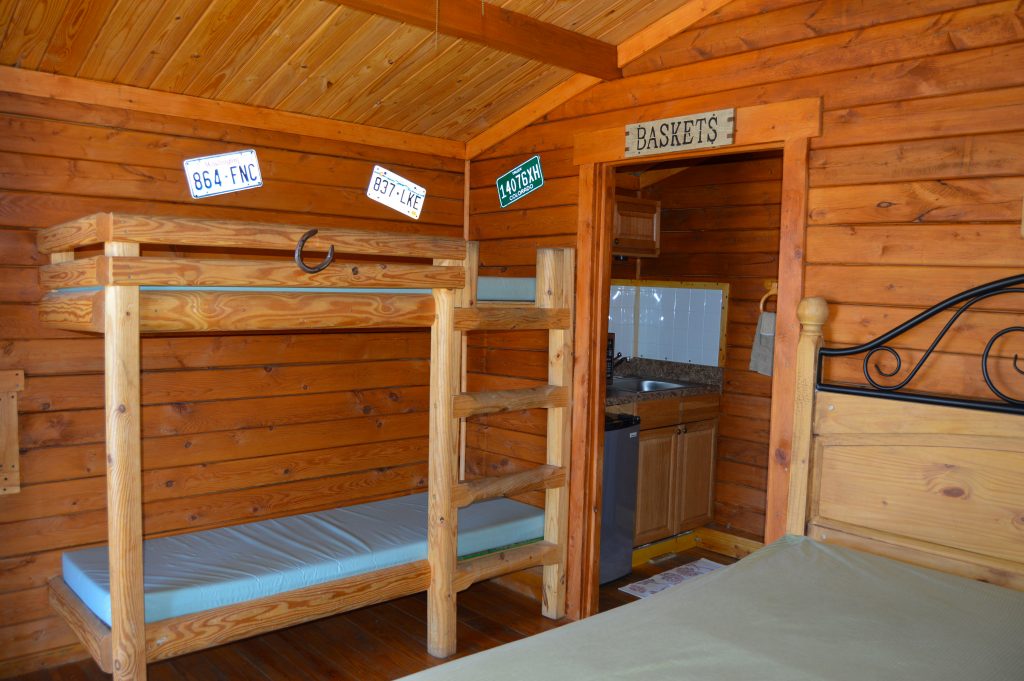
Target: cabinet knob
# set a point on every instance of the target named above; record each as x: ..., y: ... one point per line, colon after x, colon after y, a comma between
x: 615, y: 241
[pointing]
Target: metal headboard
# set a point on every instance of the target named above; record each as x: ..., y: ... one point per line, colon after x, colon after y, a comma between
x: 875, y: 375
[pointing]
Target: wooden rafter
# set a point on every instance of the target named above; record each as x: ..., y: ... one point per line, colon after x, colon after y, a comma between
x: 631, y: 48
x: 670, y: 25
x: 527, y: 114
x: 83, y: 91
x: 503, y: 30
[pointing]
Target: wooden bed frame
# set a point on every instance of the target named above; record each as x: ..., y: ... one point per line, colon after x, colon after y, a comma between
x: 120, y: 310
x: 933, y: 481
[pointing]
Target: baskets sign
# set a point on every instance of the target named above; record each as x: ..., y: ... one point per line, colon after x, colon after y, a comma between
x: 520, y: 181
x: 682, y: 133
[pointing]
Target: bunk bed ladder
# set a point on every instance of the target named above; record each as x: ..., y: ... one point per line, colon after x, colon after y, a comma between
x: 456, y: 313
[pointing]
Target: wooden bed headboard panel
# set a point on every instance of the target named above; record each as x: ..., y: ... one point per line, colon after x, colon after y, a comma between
x: 930, y: 484
x: 940, y: 478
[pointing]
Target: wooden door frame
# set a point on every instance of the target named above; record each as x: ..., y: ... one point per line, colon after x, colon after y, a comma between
x: 785, y: 126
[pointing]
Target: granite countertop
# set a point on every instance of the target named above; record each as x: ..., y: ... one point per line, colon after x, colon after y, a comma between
x: 701, y: 380
x: 613, y: 397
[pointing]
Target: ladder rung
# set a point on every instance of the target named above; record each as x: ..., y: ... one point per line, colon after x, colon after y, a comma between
x: 510, y: 318
x: 499, y: 401
x: 541, y: 477
x: 474, y: 570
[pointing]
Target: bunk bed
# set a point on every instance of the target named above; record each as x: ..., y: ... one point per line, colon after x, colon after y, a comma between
x: 905, y: 554
x: 193, y: 592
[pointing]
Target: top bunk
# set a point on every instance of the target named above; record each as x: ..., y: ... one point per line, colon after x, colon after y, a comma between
x: 200, y: 275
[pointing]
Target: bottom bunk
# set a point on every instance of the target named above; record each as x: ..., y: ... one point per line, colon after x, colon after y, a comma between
x: 218, y: 585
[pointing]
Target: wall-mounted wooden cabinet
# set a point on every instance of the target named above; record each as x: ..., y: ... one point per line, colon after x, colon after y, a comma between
x: 636, y: 229
x: 675, y: 480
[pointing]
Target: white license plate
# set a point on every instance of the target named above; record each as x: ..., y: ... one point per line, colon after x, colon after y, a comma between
x: 396, y: 192
x: 223, y: 173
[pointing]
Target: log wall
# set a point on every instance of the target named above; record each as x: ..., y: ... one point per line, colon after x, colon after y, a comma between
x: 916, y: 182
x: 235, y: 427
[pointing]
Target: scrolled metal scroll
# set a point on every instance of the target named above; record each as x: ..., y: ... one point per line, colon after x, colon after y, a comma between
x: 1016, y: 358
x: 874, y: 373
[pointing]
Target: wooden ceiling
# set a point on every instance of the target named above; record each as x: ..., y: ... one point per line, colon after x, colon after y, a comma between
x: 330, y: 59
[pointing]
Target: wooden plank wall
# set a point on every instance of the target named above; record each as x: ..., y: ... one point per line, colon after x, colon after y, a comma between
x: 916, y: 181
x: 235, y: 427
x: 505, y: 443
x: 500, y: 444
x: 720, y: 222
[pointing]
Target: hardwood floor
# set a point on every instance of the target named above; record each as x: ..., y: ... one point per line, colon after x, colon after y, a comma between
x: 610, y: 596
x: 377, y: 643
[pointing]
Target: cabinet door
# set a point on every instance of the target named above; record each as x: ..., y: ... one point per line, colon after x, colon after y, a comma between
x: 636, y: 229
x: 695, y: 475
x: 654, y: 489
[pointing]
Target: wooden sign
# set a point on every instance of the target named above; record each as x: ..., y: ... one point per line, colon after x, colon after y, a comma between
x: 682, y: 133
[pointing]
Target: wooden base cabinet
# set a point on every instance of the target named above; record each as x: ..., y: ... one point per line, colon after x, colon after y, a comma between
x: 654, y: 488
x: 675, y: 481
x: 694, y: 475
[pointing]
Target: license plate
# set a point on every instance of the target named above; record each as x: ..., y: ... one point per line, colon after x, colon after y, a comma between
x: 396, y: 192
x: 520, y: 181
x: 223, y: 173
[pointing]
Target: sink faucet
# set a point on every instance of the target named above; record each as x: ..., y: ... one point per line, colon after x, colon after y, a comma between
x: 619, y: 359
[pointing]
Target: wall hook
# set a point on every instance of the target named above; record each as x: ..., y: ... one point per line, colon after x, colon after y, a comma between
x: 773, y: 290
x: 298, y: 254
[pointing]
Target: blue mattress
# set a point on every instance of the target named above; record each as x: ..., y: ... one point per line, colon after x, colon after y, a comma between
x: 193, y: 572
x: 522, y: 289
x: 488, y: 289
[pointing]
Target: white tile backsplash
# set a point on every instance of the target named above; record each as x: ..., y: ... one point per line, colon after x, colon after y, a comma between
x: 621, y: 311
x: 675, y: 323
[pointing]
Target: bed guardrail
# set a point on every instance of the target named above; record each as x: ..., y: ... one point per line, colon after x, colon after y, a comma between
x: 883, y: 382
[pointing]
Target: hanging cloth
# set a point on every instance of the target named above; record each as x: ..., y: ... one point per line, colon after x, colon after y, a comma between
x: 762, y: 354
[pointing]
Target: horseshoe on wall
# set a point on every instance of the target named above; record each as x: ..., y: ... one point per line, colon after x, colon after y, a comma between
x: 298, y: 254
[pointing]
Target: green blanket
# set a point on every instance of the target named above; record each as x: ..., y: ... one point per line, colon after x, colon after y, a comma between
x: 795, y: 610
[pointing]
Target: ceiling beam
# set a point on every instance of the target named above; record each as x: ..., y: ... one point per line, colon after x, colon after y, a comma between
x: 631, y: 48
x: 527, y: 114
x: 82, y: 91
x: 503, y: 30
x: 652, y: 177
x: 673, y: 23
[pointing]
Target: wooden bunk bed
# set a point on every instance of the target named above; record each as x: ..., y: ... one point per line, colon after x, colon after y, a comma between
x: 124, y: 292
x: 905, y: 558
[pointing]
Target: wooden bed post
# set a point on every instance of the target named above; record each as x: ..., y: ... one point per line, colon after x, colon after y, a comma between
x: 124, y: 473
x: 812, y: 313
x: 442, y: 513
x: 555, y: 279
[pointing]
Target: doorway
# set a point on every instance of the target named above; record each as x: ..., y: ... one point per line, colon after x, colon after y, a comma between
x: 717, y: 229
x: 783, y: 127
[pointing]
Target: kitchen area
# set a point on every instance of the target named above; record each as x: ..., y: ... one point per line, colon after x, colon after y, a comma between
x: 691, y: 324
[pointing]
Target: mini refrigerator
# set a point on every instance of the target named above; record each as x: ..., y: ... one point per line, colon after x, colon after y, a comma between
x: 618, y: 509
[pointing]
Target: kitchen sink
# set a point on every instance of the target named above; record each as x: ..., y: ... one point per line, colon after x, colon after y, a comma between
x: 634, y: 384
